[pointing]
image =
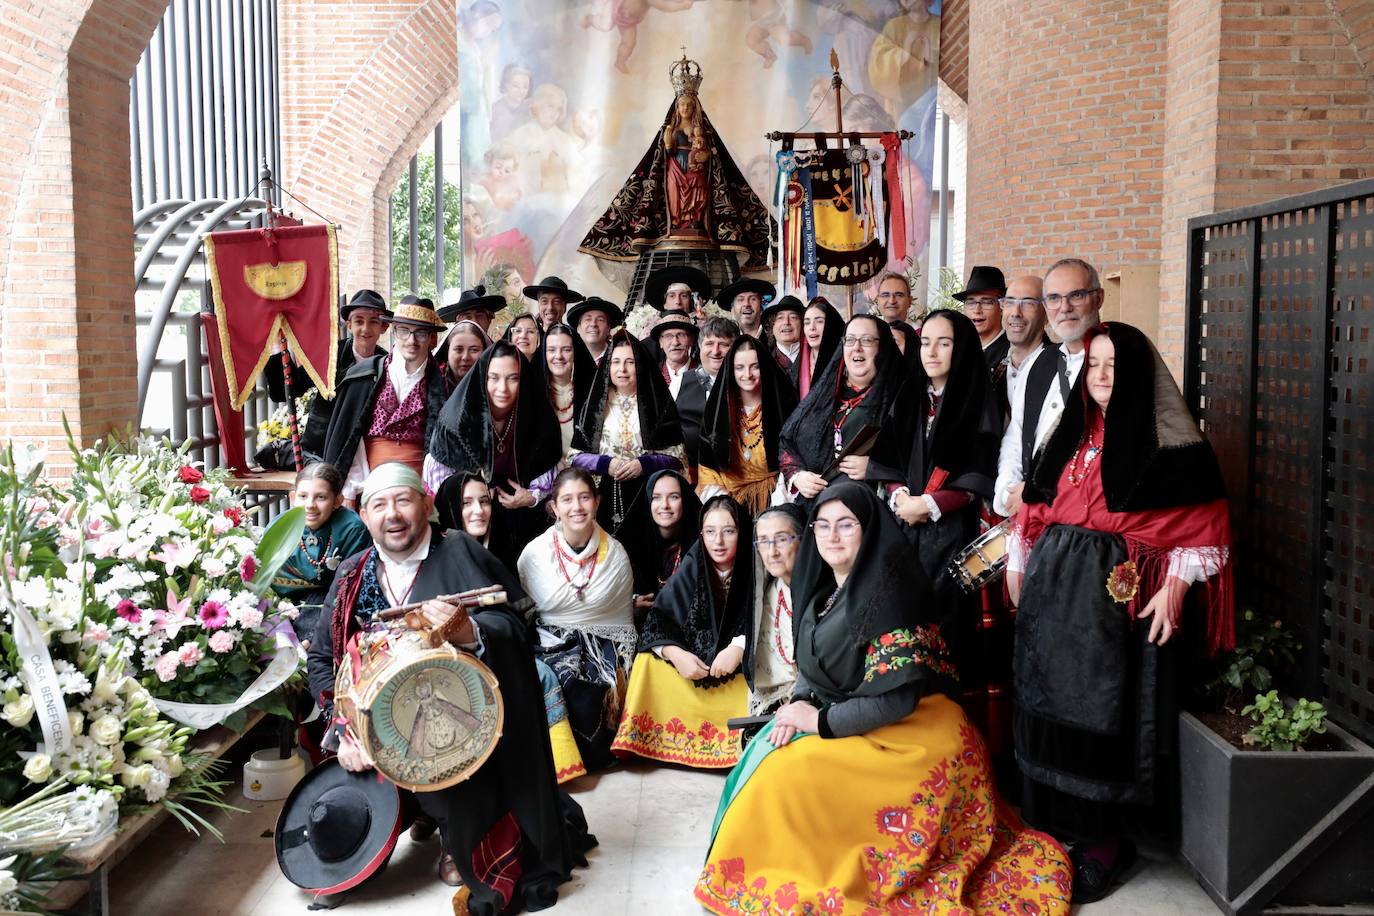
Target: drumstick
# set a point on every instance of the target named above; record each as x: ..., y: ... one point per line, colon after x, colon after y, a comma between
x: 467, y: 599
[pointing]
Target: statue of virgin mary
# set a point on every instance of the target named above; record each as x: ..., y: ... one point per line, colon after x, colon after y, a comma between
x: 686, y: 190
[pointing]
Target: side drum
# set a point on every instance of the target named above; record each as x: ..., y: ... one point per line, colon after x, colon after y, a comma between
x: 429, y: 717
x: 984, y: 560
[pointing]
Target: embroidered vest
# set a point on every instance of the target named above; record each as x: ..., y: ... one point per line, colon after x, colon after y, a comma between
x: 397, y: 420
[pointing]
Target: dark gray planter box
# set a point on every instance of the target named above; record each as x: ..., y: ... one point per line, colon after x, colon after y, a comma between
x: 1262, y: 827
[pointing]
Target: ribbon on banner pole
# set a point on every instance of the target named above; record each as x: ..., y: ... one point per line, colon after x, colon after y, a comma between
x: 40, y: 677
x: 808, y: 239
x: 897, y: 212
x: 284, y: 662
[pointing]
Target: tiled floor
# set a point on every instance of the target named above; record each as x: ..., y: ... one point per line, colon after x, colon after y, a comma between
x: 652, y: 823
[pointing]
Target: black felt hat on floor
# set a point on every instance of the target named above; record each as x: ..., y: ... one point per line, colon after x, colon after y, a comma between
x: 337, y: 828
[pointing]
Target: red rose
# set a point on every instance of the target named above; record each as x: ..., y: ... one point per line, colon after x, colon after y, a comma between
x: 199, y: 494
x: 189, y: 474
x: 235, y: 515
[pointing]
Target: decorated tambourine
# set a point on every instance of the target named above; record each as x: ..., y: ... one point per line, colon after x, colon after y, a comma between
x: 429, y: 716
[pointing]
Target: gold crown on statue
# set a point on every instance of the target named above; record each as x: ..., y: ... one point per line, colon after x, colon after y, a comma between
x: 685, y: 75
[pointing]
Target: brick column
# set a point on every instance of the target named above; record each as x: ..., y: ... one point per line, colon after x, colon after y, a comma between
x: 68, y: 284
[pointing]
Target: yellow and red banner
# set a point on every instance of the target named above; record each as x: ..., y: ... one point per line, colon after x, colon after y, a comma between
x: 267, y: 282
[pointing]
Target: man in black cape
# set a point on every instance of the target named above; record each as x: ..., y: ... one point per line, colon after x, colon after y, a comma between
x: 513, y: 836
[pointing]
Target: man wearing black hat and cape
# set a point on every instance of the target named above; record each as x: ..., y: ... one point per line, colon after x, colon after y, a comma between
x: 744, y: 300
x: 783, y: 322
x: 471, y: 305
x: 551, y: 296
x: 670, y: 289
x: 512, y: 835
x: 595, y: 318
x: 981, y: 297
x: 364, y: 318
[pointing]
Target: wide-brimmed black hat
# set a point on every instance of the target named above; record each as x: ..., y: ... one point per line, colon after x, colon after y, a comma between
x: 785, y: 304
x: 983, y: 279
x: 596, y: 304
x: 656, y: 288
x: 673, y: 321
x: 475, y: 298
x: 336, y: 828
x: 365, y: 299
x: 552, y: 285
x: 726, y: 297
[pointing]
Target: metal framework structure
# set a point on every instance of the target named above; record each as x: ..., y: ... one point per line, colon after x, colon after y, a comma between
x: 412, y: 223
x: 204, y: 117
x: 1280, y: 318
x: 204, y: 103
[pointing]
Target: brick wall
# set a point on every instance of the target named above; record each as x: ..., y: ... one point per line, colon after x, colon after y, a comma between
x: 1190, y: 155
x: 66, y: 206
x: 1099, y: 128
x: 954, y: 46
x: 1066, y: 131
x: 363, y: 85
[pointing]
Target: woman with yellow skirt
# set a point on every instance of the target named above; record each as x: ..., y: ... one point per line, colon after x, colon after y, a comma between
x: 690, y: 675
x: 871, y: 792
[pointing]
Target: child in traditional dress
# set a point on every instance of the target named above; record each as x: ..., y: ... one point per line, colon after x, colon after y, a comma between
x: 332, y: 535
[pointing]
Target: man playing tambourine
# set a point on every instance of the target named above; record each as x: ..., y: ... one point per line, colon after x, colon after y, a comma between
x: 507, y: 830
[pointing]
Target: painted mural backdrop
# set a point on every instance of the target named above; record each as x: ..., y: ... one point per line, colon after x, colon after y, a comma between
x: 560, y: 99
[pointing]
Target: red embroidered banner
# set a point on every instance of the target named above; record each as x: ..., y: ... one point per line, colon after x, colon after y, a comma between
x: 269, y: 280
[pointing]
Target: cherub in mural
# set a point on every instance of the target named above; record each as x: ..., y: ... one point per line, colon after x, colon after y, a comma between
x: 587, y: 127
x: 626, y: 15
x: 502, y: 176
x: 768, y: 23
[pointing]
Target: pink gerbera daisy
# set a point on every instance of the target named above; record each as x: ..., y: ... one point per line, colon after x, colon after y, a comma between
x: 213, y: 615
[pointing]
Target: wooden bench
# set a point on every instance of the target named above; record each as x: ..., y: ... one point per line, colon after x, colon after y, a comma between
x: 93, y: 863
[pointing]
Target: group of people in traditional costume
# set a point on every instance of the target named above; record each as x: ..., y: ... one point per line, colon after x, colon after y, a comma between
x: 755, y: 518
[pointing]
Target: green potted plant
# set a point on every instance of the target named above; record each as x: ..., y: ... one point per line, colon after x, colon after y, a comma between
x: 1278, y: 803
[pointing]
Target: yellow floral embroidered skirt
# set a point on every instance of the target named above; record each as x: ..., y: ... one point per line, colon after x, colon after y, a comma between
x: 668, y: 719
x: 902, y: 819
x: 567, y: 759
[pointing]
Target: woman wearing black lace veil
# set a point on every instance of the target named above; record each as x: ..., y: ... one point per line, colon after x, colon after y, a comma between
x: 498, y: 425
x: 745, y: 411
x: 822, y: 332
x: 568, y: 371
x: 627, y: 429
x: 864, y: 386
x: 658, y: 534
x: 694, y: 650
x: 470, y: 505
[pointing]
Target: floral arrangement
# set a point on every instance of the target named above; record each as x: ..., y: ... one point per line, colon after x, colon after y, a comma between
x: 133, y: 588
x: 277, y: 427
x: 641, y: 320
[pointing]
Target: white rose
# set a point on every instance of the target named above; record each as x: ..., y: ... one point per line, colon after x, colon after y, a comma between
x: 138, y: 777
x: 38, y: 768
x: 175, y: 767
x: 107, y: 730
x: 19, y: 712
x: 8, y: 883
x: 75, y: 721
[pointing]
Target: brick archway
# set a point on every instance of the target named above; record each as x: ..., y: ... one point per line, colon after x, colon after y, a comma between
x: 65, y: 214
x: 358, y: 99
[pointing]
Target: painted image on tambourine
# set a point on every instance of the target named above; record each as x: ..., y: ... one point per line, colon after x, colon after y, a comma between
x: 434, y: 722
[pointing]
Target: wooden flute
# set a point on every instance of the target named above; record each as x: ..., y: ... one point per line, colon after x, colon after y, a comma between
x: 473, y: 598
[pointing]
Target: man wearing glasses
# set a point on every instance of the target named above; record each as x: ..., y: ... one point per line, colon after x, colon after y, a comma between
x: 894, y: 297
x: 387, y: 405
x: 1073, y: 303
x: 985, y: 287
x: 1023, y: 321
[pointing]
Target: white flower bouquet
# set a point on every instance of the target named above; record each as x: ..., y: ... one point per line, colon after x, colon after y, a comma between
x: 133, y: 589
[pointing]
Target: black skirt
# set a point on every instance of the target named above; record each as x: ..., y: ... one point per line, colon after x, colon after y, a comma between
x: 1096, y: 710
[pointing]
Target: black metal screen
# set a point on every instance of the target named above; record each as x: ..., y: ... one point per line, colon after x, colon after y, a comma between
x: 1280, y: 312
x: 204, y: 103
